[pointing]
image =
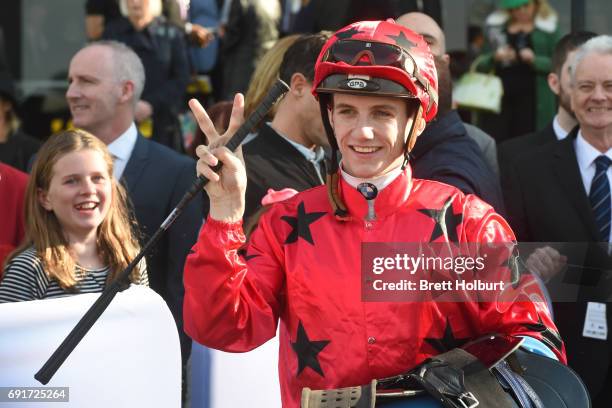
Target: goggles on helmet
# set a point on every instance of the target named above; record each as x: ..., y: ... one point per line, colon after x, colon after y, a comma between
x: 353, y: 51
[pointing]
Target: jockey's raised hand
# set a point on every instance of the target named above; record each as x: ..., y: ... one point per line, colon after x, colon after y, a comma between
x: 226, y: 188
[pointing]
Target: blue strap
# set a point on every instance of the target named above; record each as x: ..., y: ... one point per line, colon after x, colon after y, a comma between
x: 535, y: 346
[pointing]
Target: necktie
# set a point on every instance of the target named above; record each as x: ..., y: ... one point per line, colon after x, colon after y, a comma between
x: 116, y: 167
x: 600, y: 197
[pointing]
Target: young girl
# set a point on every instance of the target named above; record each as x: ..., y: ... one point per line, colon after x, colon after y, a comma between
x: 78, y: 234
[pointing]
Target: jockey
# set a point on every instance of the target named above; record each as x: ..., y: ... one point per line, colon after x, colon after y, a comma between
x: 377, y: 87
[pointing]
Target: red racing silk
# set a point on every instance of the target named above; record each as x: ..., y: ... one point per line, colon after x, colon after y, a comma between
x: 302, y: 268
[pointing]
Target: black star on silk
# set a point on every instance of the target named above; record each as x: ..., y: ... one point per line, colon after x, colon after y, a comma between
x: 549, y: 336
x: 301, y: 224
x: 447, y: 342
x: 402, y: 40
x: 446, y: 222
x: 347, y: 34
x: 248, y: 257
x: 307, y: 351
x: 243, y: 253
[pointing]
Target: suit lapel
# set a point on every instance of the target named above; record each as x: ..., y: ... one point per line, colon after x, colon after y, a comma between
x: 136, y: 164
x: 548, y: 134
x: 566, y: 168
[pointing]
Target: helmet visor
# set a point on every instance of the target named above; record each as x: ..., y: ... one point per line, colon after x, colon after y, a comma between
x: 353, y: 52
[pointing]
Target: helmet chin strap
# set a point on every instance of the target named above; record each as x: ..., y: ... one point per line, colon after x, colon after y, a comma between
x: 331, y: 179
x: 412, y: 135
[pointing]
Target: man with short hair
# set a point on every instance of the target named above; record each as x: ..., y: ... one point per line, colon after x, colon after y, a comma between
x: 447, y: 152
x: 106, y: 80
x: 563, y: 122
x: 560, y: 192
x: 288, y: 152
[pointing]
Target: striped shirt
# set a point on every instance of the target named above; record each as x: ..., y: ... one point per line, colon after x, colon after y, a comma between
x: 25, y: 279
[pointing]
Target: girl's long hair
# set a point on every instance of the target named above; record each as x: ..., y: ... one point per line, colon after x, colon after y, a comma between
x: 116, y: 239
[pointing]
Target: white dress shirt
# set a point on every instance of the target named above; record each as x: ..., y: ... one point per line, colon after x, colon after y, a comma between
x: 313, y: 156
x: 560, y: 133
x: 586, y: 155
x: 121, y: 149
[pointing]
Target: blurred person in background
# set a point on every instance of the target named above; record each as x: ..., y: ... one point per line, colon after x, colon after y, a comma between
x: 16, y: 147
x: 251, y: 30
x: 520, y: 42
x: 98, y: 13
x: 265, y: 75
x: 447, y: 152
x: 559, y: 192
x: 288, y: 152
x: 317, y: 15
x: 3, y: 60
x: 162, y: 50
x: 203, y: 25
x: 563, y: 122
x: 284, y: 151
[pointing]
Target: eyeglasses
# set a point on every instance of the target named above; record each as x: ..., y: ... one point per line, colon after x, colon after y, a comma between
x: 352, y: 51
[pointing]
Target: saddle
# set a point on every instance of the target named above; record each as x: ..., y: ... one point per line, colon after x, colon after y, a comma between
x: 492, y: 371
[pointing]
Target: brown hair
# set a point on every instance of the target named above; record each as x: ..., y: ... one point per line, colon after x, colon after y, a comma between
x: 116, y: 240
x: 265, y: 75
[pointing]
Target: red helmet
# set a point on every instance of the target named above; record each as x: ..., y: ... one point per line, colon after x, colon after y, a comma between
x: 380, y: 58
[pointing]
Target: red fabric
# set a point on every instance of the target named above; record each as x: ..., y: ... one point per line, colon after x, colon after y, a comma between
x: 274, y: 196
x: 12, y: 217
x: 384, y: 32
x: 235, y: 305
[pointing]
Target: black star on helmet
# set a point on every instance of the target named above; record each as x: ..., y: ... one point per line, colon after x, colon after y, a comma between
x: 448, y: 341
x: 307, y: 351
x: 402, y: 40
x: 301, y: 224
x: 343, y: 35
x: 446, y: 222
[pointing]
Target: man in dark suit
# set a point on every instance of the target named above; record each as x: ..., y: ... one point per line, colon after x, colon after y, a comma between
x: 288, y: 151
x: 106, y: 81
x: 560, y: 192
x: 564, y: 121
x: 445, y: 151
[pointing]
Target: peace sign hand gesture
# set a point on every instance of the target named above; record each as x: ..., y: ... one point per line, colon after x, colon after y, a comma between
x: 226, y: 189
